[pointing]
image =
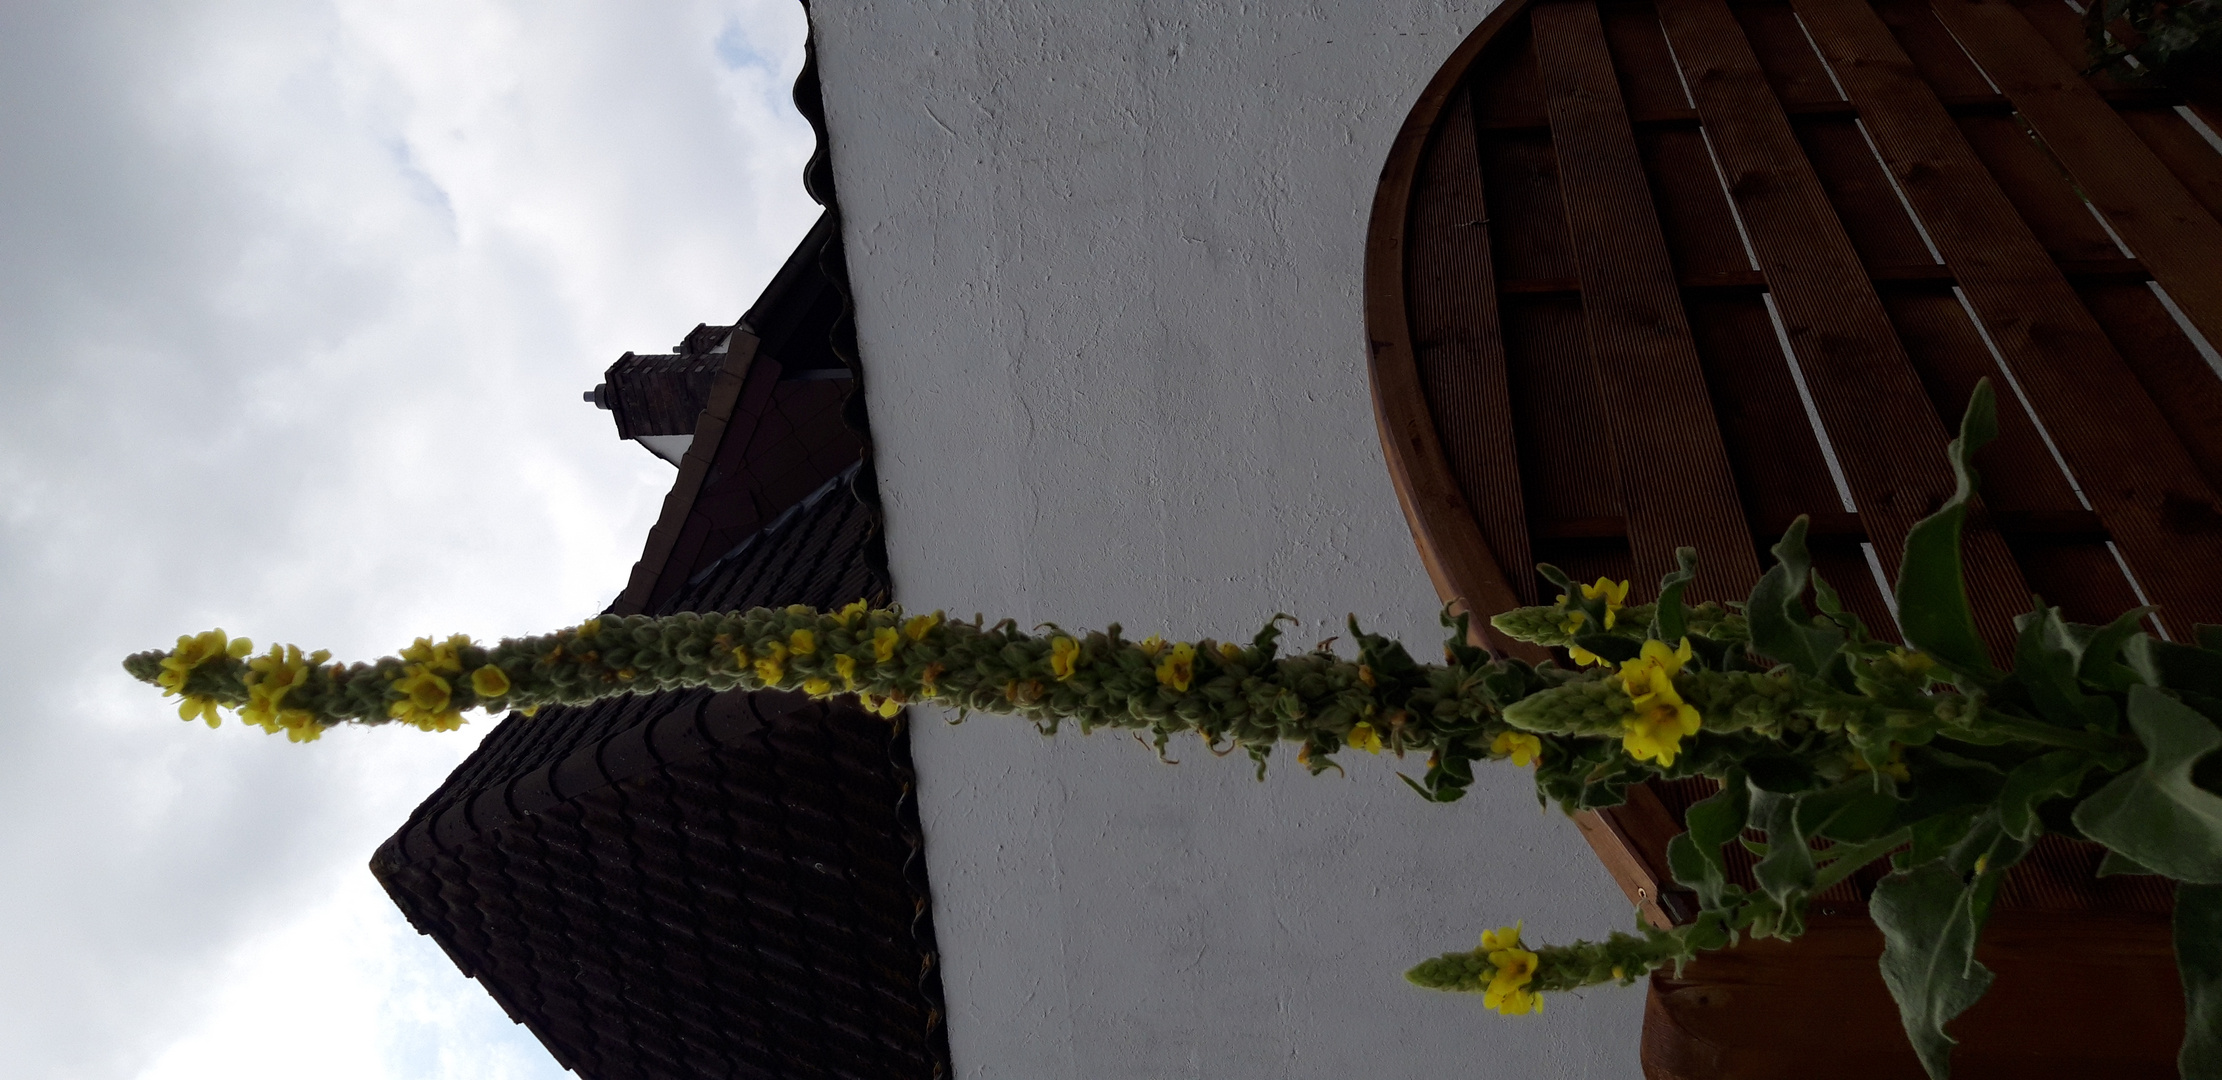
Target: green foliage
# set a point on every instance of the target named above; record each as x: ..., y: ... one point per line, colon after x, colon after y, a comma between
x: 1834, y: 747
x: 1932, y: 591
x: 2199, y: 963
x: 2154, y: 813
x: 2176, y: 40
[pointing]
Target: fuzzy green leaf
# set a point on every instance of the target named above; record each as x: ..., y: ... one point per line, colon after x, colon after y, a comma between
x: 1781, y: 628
x: 2177, y: 667
x: 1932, y: 591
x: 2047, y: 776
x: 2099, y: 656
x: 2046, y: 662
x: 1695, y: 856
x: 1787, y: 873
x: 1668, y: 621
x: 2199, y: 964
x: 1928, y: 959
x: 2154, y: 813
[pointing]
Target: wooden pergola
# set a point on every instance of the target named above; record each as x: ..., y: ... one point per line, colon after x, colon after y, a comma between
x: 1651, y: 274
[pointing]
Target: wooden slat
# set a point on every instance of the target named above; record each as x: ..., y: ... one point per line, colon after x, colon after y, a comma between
x: 1675, y: 481
x: 1562, y: 459
x: 2173, y: 372
x: 2157, y: 218
x: 2142, y: 484
x: 1458, y: 344
x: 1887, y: 435
x: 2187, y: 153
x: 1457, y: 557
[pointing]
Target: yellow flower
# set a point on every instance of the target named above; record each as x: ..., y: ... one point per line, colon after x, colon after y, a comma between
x: 926, y: 679
x: 850, y: 613
x: 844, y: 665
x: 425, y: 698
x: 740, y: 656
x: 1230, y: 651
x: 884, y: 708
x: 269, y: 679
x: 199, y: 707
x: 1520, y: 746
x: 1655, y: 664
x: 1063, y: 651
x: 803, y: 642
x: 1660, y: 721
x: 192, y: 651
x: 1615, y: 597
x: 444, y: 656
x: 1508, y: 991
x: 1365, y: 675
x: 915, y: 627
x: 884, y: 642
x: 771, y: 663
x: 1179, y: 668
x: 1584, y: 656
x: 817, y: 687
x: 1363, y: 737
x: 1151, y: 646
x: 489, y: 682
x: 589, y: 628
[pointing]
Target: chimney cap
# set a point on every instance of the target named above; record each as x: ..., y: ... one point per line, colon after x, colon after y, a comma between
x: 598, y: 397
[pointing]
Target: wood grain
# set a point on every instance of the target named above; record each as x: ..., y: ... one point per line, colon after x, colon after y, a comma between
x: 2160, y: 512
x: 2141, y: 198
x: 1675, y: 482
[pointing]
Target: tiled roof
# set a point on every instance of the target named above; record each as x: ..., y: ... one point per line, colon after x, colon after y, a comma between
x: 693, y: 884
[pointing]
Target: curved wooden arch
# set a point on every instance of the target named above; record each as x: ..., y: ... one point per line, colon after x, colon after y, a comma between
x: 1467, y: 573
x: 1884, y: 232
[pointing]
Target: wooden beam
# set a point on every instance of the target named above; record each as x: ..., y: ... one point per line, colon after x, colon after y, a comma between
x: 1652, y: 404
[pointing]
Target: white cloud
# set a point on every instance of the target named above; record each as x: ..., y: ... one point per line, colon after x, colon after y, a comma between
x: 300, y: 300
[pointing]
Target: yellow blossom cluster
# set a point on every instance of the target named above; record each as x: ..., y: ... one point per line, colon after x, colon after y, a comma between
x: 1615, y: 596
x: 1654, y: 731
x: 193, y: 651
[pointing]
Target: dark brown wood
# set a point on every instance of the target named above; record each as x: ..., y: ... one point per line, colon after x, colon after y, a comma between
x: 2141, y: 198
x: 2143, y: 484
x: 1466, y: 572
x: 1889, y: 438
x: 1457, y: 342
x: 1770, y: 1009
x: 1675, y: 482
x: 1608, y: 237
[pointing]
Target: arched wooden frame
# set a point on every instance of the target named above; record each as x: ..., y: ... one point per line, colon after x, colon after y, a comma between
x: 1871, y: 352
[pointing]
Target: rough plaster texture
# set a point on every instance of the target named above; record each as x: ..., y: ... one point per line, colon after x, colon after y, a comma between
x: 1107, y: 261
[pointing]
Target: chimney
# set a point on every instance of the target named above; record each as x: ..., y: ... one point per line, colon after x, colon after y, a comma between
x: 655, y: 398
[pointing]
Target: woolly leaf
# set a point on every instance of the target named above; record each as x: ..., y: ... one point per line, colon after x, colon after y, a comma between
x: 1932, y: 590
x: 1781, y: 628
x: 2154, y: 813
x: 1929, y: 956
x: 2199, y: 964
x: 2048, y: 776
x: 1695, y: 857
x: 1669, y: 623
x: 2046, y: 663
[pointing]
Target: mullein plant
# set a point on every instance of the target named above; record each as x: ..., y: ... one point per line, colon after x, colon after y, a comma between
x: 1838, y: 748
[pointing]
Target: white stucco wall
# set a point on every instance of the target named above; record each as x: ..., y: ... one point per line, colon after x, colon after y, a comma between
x: 1107, y: 260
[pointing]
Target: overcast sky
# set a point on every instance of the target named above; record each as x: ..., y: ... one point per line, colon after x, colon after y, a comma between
x: 298, y: 301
